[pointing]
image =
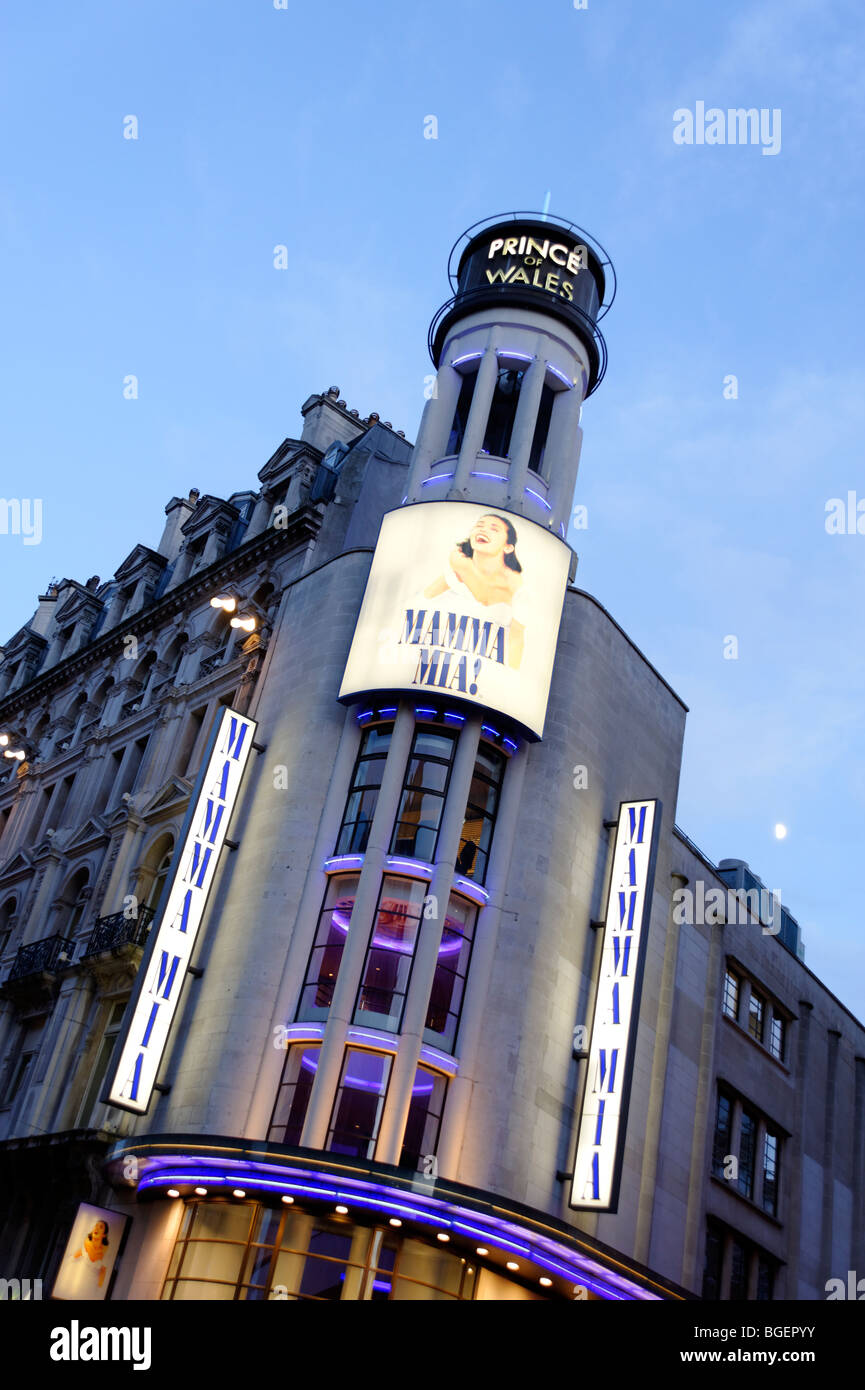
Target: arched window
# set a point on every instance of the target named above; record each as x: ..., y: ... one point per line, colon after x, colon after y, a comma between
x: 75, y: 898
x: 7, y: 923
x: 157, y: 888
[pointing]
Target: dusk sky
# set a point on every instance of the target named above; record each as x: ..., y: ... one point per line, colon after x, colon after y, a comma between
x: 304, y: 127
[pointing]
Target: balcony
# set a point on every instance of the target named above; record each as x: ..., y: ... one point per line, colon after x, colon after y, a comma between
x: 118, y: 930
x: 43, y: 957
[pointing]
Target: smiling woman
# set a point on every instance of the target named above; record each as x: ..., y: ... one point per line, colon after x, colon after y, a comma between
x: 483, y: 576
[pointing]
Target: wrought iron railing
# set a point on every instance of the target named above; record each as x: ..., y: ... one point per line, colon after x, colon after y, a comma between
x: 45, y: 956
x: 119, y: 930
x: 210, y: 663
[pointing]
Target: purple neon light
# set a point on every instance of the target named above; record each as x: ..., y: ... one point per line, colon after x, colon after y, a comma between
x: 367, y: 714
x: 497, y: 477
x: 494, y: 1232
x: 421, y: 869
x: 555, y: 371
x: 521, y: 356
x: 437, y: 479
x: 538, y: 496
x: 472, y: 890
x: 392, y: 943
x: 466, y: 357
x: 342, y: 861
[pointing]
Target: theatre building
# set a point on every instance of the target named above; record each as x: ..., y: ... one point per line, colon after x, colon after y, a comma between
x: 349, y: 948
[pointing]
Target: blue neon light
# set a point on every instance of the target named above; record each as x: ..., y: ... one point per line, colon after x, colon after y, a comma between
x: 509, y: 743
x: 521, y: 356
x: 497, y: 477
x: 555, y: 371
x: 488, y: 729
x: 437, y: 479
x: 494, y: 1231
x: 540, y: 499
x: 421, y: 710
x: 466, y: 357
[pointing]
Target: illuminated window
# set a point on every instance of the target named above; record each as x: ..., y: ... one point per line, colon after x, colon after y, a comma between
x: 756, y: 1016
x: 731, y: 995
x: 422, y: 801
x: 446, y: 995
x: 389, y: 955
x: 777, y: 1037
x: 330, y: 938
x: 483, y: 800
x: 365, y: 787
x: 771, y: 1146
x: 359, y: 1103
x: 424, y: 1120
x: 289, y: 1112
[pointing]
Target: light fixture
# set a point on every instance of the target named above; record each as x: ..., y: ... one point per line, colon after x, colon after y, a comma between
x: 394, y: 1221
x: 15, y: 753
x: 343, y: 1211
x: 545, y: 1281
x: 288, y: 1200
x: 4, y: 739
x: 172, y: 1192
x: 238, y: 1192
x: 246, y: 621
x: 224, y: 601
x: 201, y: 1191
x: 481, y: 1250
x: 512, y: 1264
x: 442, y: 1235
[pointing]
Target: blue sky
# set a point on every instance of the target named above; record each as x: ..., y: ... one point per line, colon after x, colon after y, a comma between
x: 304, y: 127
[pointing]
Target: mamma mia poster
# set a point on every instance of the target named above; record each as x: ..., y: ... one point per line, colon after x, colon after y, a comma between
x: 463, y: 601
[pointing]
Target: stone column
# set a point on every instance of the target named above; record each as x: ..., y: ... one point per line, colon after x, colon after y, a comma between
x: 525, y: 422
x: 476, y: 426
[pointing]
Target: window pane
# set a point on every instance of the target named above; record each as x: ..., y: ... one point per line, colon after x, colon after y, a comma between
x: 747, y: 1146
x: 776, y: 1038
x: 294, y: 1092
x: 738, y: 1272
x: 731, y: 995
x: 430, y: 744
x: 357, y: 1111
x: 369, y: 773
x: 713, y: 1264
x: 330, y: 938
x: 723, y: 1127
x: 389, y: 954
x: 424, y: 1117
x: 770, y: 1173
x: 755, y: 1016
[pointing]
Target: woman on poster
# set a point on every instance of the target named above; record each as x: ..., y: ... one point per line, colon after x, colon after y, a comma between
x: 484, y: 577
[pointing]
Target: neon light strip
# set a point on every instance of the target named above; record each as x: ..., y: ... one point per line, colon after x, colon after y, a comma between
x: 542, y: 1251
x: 416, y: 866
x: 537, y: 495
x: 362, y: 1035
x: 555, y: 371
x: 472, y: 890
x: 437, y: 479
x: 342, y: 861
x: 496, y: 477
x: 466, y: 357
x: 521, y: 356
x: 450, y: 1065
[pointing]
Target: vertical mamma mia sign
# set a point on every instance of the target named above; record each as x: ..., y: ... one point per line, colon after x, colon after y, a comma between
x: 603, y: 1121
x: 163, y: 970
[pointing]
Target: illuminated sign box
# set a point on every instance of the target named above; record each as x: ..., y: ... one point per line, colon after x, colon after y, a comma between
x: 461, y: 601
x: 603, y: 1120
x: 171, y: 943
